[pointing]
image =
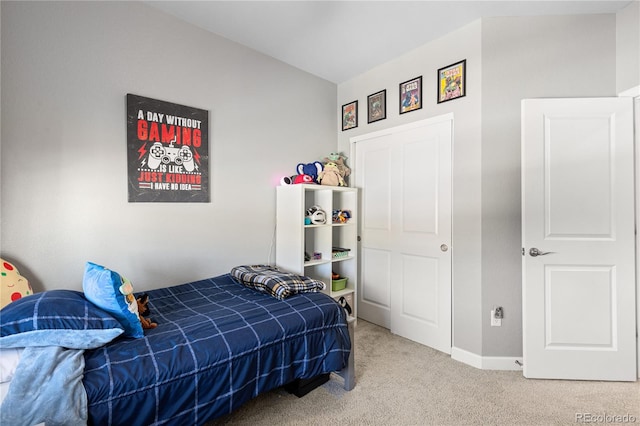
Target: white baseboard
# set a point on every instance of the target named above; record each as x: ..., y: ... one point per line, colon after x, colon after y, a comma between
x: 486, y: 362
x: 501, y: 363
x: 467, y: 357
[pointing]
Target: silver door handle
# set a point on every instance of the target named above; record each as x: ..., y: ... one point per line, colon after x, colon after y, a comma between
x: 534, y: 252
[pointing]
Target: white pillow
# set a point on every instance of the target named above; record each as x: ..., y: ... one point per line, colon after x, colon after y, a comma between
x: 9, y: 359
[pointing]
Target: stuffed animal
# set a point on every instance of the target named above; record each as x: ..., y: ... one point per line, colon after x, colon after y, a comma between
x: 311, y: 169
x: 126, y: 288
x: 339, y: 159
x: 303, y: 179
x: 143, y: 312
x: 136, y: 306
x: 331, y: 175
x: 13, y: 286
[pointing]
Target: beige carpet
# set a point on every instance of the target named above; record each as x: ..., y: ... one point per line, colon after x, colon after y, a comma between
x: 399, y: 382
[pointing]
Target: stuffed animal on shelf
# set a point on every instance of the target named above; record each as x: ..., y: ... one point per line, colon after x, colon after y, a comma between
x: 143, y: 312
x: 331, y: 175
x: 13, y: 286
x: 339, y: 159
x: 303, y: 179
x: 311, y: 169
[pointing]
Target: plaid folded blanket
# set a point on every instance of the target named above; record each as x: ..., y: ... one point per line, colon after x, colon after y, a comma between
x: 278, y: 284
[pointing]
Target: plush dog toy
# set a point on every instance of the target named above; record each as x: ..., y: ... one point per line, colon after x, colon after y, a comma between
x: 143, y: 312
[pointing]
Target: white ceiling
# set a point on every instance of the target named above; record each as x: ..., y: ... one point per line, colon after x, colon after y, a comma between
x: 337, y: 40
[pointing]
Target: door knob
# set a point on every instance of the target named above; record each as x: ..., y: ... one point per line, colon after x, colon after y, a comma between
x: 535, y: 252
x: 444, y: 247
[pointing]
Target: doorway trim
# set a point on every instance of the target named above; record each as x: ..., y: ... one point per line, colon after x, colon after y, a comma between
x: 634, y: 93
x: 402, y: 127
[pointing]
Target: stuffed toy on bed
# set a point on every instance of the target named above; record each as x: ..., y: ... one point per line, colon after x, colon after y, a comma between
x: 13, y: 286
x: 109, y: 290
x: 143, y: 312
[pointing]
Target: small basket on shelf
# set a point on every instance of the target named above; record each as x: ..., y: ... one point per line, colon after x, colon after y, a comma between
x: 339, y: 284
x: 339, y: 252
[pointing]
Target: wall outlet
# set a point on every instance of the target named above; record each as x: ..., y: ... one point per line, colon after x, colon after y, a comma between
x: 495, y: 322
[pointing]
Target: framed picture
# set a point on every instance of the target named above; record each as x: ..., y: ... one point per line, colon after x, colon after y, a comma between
x: 452, y: 81
x: 411, y: 95
x: 377, y: 106
x: 349, y: 115
x: 167, y: 151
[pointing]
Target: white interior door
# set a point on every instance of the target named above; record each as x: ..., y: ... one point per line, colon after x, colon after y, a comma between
x: 578, y: 213
x: 405, y: 277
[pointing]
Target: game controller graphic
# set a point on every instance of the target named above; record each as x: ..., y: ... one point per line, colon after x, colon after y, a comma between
x: 165, y: 155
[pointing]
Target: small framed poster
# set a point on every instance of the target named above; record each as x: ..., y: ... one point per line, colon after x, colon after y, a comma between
x: 452, y: 82
x: 377, y: 106
x: 350, y: 115
x: 411, y: 95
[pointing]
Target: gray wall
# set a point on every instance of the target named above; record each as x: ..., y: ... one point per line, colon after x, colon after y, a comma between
x: 507, y: 59
x: 425, y: 61
x: 527, y: 57
x: 628, y: 47
x: 66, y: 68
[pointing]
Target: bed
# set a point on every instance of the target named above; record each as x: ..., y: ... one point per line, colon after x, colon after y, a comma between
x: 218, y: 344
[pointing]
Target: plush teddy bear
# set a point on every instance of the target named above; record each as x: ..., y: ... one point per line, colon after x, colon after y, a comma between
x: 331, y: 175
x: 13, y: 286
x: 338, y: 159
x: 143, y: 312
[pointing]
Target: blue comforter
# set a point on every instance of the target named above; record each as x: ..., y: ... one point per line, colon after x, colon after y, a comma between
x: 54, y: 328
x: 218, y: 344
x: 47, y: 389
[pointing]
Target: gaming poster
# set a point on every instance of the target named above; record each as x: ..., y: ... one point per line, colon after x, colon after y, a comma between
x: 168, y: 151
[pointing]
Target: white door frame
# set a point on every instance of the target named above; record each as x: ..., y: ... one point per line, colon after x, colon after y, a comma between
x: 634, y: 92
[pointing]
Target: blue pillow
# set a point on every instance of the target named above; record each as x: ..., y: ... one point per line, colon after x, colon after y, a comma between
x: 112, y: 292
x: 56, y: 318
